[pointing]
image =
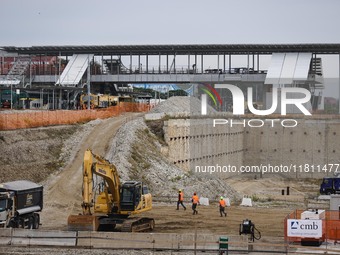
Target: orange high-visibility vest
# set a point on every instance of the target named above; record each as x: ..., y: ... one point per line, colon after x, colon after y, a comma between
x: 181, y: 196
x: 195, y: 199
x: 222, y: 203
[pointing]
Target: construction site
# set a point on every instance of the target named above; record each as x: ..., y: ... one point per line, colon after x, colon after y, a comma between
x: 108, y: 172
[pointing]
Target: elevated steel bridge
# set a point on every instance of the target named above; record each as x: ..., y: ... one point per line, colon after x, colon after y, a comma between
x: 122, y: 64
x: 178, y: 49
x: 168, y: 63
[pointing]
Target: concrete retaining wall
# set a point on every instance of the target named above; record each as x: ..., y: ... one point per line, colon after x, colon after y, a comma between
x: 312, y: 142
x: 195, y: 142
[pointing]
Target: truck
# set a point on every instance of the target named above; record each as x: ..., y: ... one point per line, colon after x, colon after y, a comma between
x: 110, y: 202
x: 330, y: 185
x: 20, y: 204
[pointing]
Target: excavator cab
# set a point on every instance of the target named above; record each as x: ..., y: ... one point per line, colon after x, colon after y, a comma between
x: 130, y: 196
x: 134, y: 196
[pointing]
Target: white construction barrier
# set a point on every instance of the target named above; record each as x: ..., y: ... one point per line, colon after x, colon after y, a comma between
x: 204, y: 201
x: 246, y: 201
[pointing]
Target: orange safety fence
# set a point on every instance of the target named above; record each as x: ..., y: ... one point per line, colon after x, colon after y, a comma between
x: 31, y: 119
x: 330, y: 225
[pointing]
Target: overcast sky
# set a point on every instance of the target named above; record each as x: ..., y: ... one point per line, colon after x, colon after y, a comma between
x: 65, y: 22
x: 112, y: 22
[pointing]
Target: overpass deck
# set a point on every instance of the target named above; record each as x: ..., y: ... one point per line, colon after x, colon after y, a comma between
x: 163, y: 78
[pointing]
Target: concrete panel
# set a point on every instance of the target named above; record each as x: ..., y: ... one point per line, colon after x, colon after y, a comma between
x: 38, y: 237
x: 334, y: 203
x: 154, y: 116
x: 5, y: 236
x: 115, y: 240
x: 313, y: 142
x: 153, y: 241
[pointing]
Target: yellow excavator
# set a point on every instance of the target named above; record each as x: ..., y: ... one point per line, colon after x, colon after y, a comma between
x: 110, y: 203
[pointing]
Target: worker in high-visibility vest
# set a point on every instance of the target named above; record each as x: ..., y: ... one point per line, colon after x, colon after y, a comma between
x: 180, y: 200
x: 222, y: 207
x: 195, y: 201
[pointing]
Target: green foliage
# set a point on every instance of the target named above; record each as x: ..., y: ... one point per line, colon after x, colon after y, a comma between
x: 256, y: 198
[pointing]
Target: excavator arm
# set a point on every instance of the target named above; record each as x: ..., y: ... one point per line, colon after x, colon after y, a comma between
x: 108, y: 172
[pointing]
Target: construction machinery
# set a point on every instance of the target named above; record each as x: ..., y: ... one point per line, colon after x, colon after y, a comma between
x: 330, y: 185
x: 20, y: 202
x: 247, y: 227
x: 98, y: 101
x: 107, y: 202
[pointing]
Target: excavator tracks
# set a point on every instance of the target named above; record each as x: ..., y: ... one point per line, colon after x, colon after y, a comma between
x: 138, y: 225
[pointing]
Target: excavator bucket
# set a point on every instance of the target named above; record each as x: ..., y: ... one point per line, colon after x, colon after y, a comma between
x: 83, y: 223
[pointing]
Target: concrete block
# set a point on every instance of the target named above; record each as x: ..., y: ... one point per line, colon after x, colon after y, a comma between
x: 204, y: 201
x: 246, y: 201
x: 39, y: 237
x: 5, y: 236
x: 154, y: 116
x: 115, y: 240
x: 334, y: 203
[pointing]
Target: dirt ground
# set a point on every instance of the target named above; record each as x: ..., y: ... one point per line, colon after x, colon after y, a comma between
x: 269, y: 221
x: 63, y: 193
x: 63, y: 197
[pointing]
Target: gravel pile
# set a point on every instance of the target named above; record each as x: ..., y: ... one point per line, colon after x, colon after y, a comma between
x: 137, y: 154
x: 185, y: 105
x: 162, y: 177
x: 68, y: 151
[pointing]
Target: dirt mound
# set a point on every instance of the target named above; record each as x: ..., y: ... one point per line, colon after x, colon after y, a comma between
x: 185, y: 105
x: 33, y: 154
x: 137, y: 153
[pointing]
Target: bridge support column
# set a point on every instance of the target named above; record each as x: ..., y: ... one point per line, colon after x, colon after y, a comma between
x: 88, y: 82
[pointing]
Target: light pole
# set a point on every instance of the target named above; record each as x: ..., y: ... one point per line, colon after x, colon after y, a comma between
x: 18, y: 97
x: 11, y: 98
